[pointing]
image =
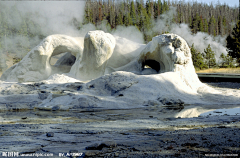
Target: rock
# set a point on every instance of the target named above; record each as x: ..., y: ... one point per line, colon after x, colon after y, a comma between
x: 50, y: 134
x: 98, y: 48
x: 166, y: 101
x: 165, y: 53
x: 112, y: 84
x: 55, y: 108
x: 68, y: 60
x: 116, y: 154
x: 43, y: 95
x: 94, y: 146
x: 92, y: 153
x: 107, y: 144
x: 35, y: 66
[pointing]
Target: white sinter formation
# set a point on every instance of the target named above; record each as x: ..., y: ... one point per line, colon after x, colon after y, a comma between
x: 98, y: 48
x: 35, y: 66
x: 117, y: 73
x: 103, y: 54
x: 165, y: 53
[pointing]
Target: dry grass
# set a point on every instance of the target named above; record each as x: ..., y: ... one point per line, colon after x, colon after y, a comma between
x: 221, y: 70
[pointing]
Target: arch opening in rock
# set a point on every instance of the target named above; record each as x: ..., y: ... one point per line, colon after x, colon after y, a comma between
x: 62, y: 62
x: 54, y: 58
x: 62, y: 59
x: 151, y: 64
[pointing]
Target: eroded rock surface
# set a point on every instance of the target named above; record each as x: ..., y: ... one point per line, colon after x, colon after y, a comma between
x: 98, y: 48
x: 35, y: 66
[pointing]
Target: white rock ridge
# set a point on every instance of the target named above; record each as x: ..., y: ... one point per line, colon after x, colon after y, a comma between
x: 102, y: 55
x: 98, y: 48
x: 35, y: 66
x: 159, y: 73
x: 165, y: 53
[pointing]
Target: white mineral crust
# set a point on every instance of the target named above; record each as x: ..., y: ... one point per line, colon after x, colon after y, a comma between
x: 110, y: 72
x: 35, y: 66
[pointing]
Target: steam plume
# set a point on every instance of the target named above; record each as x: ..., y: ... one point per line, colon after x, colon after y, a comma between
x: 40, y: 18
x: 201, y: 40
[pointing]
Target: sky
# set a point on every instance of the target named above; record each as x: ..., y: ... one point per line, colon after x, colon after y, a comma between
x: 231, y: 3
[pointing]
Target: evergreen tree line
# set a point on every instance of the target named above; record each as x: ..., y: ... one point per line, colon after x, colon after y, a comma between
x: 215, y: 19
x: 207, y: 58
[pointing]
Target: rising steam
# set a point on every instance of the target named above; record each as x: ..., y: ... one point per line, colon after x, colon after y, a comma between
x: 40, y: 18
x: 201, y: 40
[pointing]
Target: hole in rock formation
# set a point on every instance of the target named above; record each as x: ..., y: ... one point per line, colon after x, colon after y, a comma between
x: 153, y: 64
x: 63, y: 61
x: 53, y: 59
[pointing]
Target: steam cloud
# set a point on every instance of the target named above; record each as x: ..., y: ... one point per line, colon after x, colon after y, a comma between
x: 46, y: 17
x: 201, y: 40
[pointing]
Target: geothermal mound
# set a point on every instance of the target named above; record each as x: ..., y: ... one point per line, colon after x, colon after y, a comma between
x: 102, y: 55
x: 108, y: 72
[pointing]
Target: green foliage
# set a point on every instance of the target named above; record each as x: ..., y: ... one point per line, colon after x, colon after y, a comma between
x: 197, y: 59
x: 119, y: 19
x: 146, y: 25
x: 165, y: 7
x: 209, y: 56
x: 127, y: 20
x: 16, y: 60
x: 133, y: 13
x: 233, y: 42
x: 195, y: 23
x: 148, y: 8
x: 205, y: 25
x: 226, y: 61
x: 200, y: 25
x: 212, y: 26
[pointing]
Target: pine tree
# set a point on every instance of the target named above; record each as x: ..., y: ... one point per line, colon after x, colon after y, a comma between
x: 205, y: 25
x: 190, y: 21
x: 220, y: 25
x: 223, y: 60
x: 133, y: 13
x: 165, y: 7
x: 212, y: 25
x: 147, y: 25
x: 233, y: 42
x: 200, y: 25
x: 226, y: 61
x: 159, y: 7
x: 197, y: 58
x: 119, y: 20
x: 209, y: 55
x: 224, y: 25
x: 155, y: 10
x: 195, y: 23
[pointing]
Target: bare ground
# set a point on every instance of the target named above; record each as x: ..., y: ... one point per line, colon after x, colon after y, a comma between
x: 220, y: 70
